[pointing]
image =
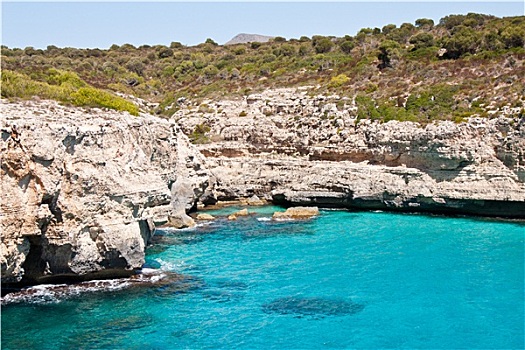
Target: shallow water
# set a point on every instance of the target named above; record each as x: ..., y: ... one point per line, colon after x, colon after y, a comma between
x: 342, y: 280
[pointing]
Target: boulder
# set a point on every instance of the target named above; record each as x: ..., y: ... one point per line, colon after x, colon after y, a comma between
x: 297, y: 213
x: 180, y: 221
x: 255, y: 201
x: 204, y: 216
x: 234, y: 216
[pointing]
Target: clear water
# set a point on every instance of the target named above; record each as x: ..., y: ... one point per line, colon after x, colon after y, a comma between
x: 342, y: 280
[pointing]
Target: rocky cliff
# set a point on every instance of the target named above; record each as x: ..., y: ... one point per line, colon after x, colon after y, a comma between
x: 82, y: 191
x: 295, y: 149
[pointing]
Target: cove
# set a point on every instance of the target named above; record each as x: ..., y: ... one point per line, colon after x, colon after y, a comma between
x: 341, y: 280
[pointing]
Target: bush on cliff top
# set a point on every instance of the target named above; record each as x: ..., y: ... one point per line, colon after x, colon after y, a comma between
x: 65, y: 87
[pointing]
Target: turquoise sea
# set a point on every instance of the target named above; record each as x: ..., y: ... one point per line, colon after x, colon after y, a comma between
x: 343, y: 280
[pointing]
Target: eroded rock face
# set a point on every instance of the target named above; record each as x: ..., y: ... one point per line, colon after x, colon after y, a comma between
x: 297, y: 213
x: 82, y: 191
x: 300, y: 150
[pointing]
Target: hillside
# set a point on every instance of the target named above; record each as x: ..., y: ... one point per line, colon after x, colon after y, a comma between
x: 462, y: 66
x: 416, y: 118
x: 244, y: 38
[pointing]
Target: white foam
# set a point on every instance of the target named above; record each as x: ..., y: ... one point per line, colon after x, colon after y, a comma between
x: 171, y: 266
x: 54, y: 293
x: 264, y: 219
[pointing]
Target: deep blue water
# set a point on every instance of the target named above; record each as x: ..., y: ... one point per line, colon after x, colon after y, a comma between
x: 342, y: 280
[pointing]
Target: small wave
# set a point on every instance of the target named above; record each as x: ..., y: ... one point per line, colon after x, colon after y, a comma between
x: 171, y: 266
x: 264, y: 219
x: 284, y: 219
x: 55, y: 293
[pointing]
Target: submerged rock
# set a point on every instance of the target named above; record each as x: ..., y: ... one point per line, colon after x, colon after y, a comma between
x: 297, y: 213
x: 312, y: 306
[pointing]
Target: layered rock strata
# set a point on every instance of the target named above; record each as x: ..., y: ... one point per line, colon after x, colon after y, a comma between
x: 82, y: 191
x: 296, y: 149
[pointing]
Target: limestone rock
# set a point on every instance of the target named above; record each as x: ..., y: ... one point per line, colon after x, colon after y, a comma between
x: 297, y: 213
x: 205, y: 217
x: 302, y: 150
x: 82, y: 191
x: 255, y: 201
x: 180, y: 221
x: 242, y: 212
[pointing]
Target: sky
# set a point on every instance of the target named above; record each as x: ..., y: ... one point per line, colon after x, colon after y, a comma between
x: 101, y: 24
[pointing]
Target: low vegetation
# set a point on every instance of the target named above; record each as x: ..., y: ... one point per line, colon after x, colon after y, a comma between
x: 65, y: 87
x: 422, y: 71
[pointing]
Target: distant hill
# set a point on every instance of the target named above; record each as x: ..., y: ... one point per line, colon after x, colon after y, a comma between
x: 248, y: 38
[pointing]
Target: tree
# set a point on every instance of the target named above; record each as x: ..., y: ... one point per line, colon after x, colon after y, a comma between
x: 322, y: 44
x: 135, y: 65
x: 165, y: 52
x: 347, y: 46
x: 210, y: 41
x: 451, y: 21
x: 422, y: 40
x: 388, y: 50
x: 513, y: 36
x: 425, y: 23
x: 388, y: 28
x: 464, y: 40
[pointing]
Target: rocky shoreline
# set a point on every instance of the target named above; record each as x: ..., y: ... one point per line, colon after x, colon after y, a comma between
x: 83, y: 190
x: 294, y: 149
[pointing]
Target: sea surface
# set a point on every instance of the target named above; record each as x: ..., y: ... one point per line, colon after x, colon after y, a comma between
x: 342, y: 280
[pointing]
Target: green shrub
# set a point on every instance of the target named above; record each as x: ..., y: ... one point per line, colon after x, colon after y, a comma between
x: 92, y: 97
x: 71, y: 90
x: 198, y: 136
x: 388, y: 51
x: 366, y: 108
x: 58, y: 77
x: 422, y: 40
x: 165, y: 52
x: 135, y: 65
x: 239, y: 50
x: 347, y: 46
x: 424, y: 23
x: 464, y: 40
x: 338, y: 81
x: 322, y: 44
x: 435, y: 103
x: 17, y: 85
